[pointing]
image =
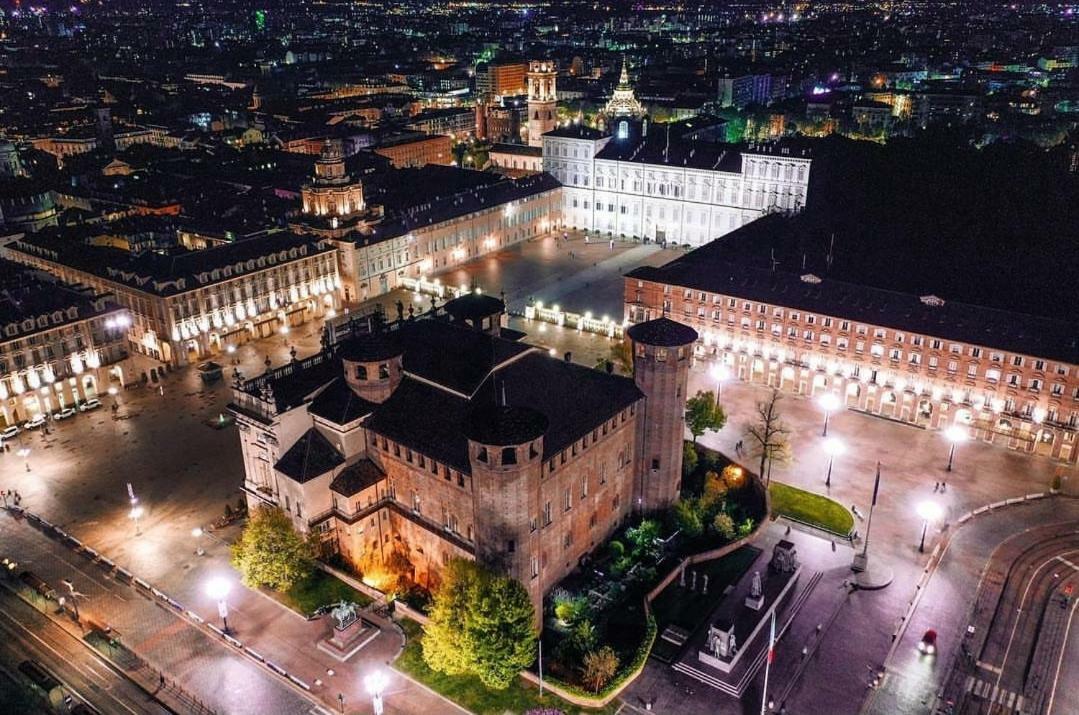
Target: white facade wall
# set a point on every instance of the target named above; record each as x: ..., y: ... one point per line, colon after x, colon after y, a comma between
x: 672, y: 203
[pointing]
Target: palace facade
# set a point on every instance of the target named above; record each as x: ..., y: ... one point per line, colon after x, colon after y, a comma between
x: 438, y: 437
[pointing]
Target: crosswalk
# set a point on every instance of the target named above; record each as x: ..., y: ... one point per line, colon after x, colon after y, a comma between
x: 1012, y: 701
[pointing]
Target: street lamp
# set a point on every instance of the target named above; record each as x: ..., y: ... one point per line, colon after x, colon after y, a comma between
x: 24, y: 452
x: 197, y: 533
x: 135, y: 514
x: 218, y: 589
x: 720, y: 373
x: 955, y: 435
x: 928, y: 511
x: 834, y: 447
x: 375, y: 683
x: 829, y: 402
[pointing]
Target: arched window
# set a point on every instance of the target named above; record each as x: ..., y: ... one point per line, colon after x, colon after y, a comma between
x: 623, y: 129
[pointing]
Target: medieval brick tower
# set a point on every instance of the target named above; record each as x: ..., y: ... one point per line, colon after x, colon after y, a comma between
x: 662, y: 350
x: 505, y: 451
x: 542, y: 100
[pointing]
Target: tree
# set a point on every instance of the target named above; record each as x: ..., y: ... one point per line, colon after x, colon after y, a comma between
x: 769, y: 436
x: 599, y: 667
x: 270, y: 552
x: 687, y: 517
x: 622, y: 356
x: 703, y: 413
x: 643, y: 536
x: 724, y: 526
x: 689, y: 459
x: 715, y: 489
x: 480, y: 624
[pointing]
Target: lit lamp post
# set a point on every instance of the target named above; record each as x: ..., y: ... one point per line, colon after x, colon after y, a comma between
x: 135, y: 514
x: 834, y: 447
x: 829, y: 402
x: 24, y: 452
x: 928, y: 511
x: 375, y: 683
x: 955, y: 435
x: 720, y: 373
x: 197, y: 533
x: 218, y: 589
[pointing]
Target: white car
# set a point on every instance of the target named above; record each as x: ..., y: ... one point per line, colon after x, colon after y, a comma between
x: 34, y: 422
x: 64, y: 413
x: 9, y: 432
x: 92, y: 404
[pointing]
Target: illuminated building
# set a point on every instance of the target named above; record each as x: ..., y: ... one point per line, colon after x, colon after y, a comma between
x: 415, y: 149
x: 59, y: 344
x: 542, y: 100
x: 623, y: 101
x: 193, y: 304
x: 438, y: 438
x: 1006, y: 378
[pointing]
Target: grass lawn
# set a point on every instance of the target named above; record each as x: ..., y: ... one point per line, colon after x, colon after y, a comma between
x: 468, y: 692
x: 319, y: 589
x: 814, y: 509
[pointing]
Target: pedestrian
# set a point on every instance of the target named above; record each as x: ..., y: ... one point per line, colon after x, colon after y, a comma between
x: 943, y: 487
x: 18, y: 498
x: 612, y: 244
x: 936, y: 487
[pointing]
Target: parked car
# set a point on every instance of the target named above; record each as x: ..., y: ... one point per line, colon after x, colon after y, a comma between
x: 64, y: 413
x: 91, y: 404
x: 34, y: 422
x: 9, y: 432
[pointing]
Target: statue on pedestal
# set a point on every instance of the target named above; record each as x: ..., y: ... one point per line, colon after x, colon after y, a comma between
x: 755, y: 599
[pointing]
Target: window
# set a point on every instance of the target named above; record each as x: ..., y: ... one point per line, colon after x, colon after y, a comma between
x: 584, y: 487
x: 533, y: 565
x: 509, y: 455
x: 567, y: 501
x: 547, y: 514
x: 511, y: 546
x: 975, y: 352
x: 383, y: 371
x: 361, y: 372
x: 895, y: 354
x: 1017, y: 360
x: 972, y: 370
x: 1035, y: 384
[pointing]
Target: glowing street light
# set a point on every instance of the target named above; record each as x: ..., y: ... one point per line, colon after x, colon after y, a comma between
x: 928, y: 511
x: 197, y: 533
x: 720, y: 373
x: 834, y: 447
x: 829, y: 402
x: 955, y: 435
x: 218, y: 589
x: 375, y: 683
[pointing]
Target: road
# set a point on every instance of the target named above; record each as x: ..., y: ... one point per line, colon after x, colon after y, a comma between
x: 26, y: 633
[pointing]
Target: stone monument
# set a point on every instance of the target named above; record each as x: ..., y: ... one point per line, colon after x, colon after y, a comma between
x: 722, y: 641
x: 784, y: 557
x: 350, y: 632
x: 755, y: 599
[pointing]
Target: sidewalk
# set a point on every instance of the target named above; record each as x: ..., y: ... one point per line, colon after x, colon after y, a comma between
x: 205, y: 664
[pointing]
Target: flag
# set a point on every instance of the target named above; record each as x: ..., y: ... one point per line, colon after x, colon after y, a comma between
x: 876, y: 485
x: 772, y: 640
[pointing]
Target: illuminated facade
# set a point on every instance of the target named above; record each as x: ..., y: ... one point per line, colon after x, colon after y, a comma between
x: 59, y: 346
x: 542, y: 100
x: 332, y: 193
x: 398, y: 448
x: 1004, y: 378
x: 657, y: 184
x: 623, y: 101
x: 194, y: 305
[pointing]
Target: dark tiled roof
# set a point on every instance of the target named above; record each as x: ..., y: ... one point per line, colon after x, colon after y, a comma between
x: 457, y: 358
x: 369, y: 347
x: 311, y: 456
x: 356, y: 477
x: 471, y: 306
x: 707, y: 270
x: 442, y: 209
x: 662, y: 332
x: 427, y: 419
x: 517, y: 149
x: 655, y: 149
x: 578, y: 131
x: 339, y: 404
x: 500, y: 426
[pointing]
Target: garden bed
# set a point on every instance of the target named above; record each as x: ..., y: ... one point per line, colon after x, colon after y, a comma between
x: 318, y: 590
x: 468, y: 692
x: 813, y: 509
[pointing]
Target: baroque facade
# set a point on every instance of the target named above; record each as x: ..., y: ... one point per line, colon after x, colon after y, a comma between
x: 437, y: 438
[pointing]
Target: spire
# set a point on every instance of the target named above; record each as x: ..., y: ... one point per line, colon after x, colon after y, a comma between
x: 623, y: 79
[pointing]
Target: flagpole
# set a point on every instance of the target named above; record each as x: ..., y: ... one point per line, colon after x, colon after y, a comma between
x: 872, y: 504
x: 768, y: 661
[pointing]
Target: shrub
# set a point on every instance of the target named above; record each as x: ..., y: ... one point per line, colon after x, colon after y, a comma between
x: 583, y: 639
x: 643, y: 536
x: 687, y: 517
x: 715, y: 489
x: 724, y: 526
x: 689, y: 459
x: 599, y: 668
x: 746, y: 527
x: 616, y: 549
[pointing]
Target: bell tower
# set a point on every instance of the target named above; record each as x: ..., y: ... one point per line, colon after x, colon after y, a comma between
x: 662, y: 352
x: 542, y: 100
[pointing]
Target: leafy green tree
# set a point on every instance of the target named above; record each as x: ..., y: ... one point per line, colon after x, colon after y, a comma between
x: 599, y: 668
x: 643, y: 536
x: 480, y: 624
x: 689, y: 459
x: 724, y: 526
x: 688, y: 518
x: 703, y: 414
x: 270, y: 552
